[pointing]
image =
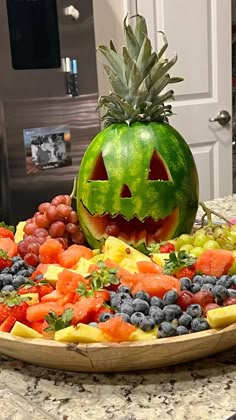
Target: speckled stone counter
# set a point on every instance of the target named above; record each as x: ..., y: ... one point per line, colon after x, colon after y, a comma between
x: 203, y: 390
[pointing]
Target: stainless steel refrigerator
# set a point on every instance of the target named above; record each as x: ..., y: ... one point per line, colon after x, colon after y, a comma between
x: 48, y: 100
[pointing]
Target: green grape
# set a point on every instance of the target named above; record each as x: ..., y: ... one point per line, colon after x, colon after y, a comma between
x: 196, y: 251
x: 233, y: 228
x: 219, y: 232
x: 232, y: 236
x: 183, y: 239
x: 210, y: 244
x: 229, y: 244
x: 199, y: 239
x: 186, y: 247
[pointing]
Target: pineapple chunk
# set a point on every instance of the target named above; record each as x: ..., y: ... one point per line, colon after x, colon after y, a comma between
x: 34, y: 298
x: 51, y: 275
x: 159, y: 258
x: 81, y: 333
x: 19, y: 234
x: 82, y: 266
x: 129, y: 265
x: 21, y: 330
x: 140, y: 335
x: 221, y: 317
x: 117, y: 250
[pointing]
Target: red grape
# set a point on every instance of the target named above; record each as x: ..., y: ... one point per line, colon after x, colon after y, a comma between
x: 184, y: 299
x: 73, y: 217
x: 43, y: 207
x: 63, y: 210
x: 71, y: 228
x: 209, y: 306
x: 42, y: 221
x: 64, y: 242
x: 68, y: 200
x: 23, y: 248
x: 33, y: 248
x: 29, y: 228
x: 30, y: 239
x: 229, y: 301
x: 31, y: 259
x: 113, y: 229
x: 78, y: 238
x: 203, y: 297
x: 51, y: 213
x: 41, y: 240
x: 59, y: 199
x: 41, y: 232
x: 57, y: 229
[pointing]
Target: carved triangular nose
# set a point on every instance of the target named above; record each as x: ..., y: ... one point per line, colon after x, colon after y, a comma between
x: 125, y: 192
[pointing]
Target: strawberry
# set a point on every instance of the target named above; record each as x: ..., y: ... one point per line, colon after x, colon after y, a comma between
x: 12, y: 304
x: 7, y: 325
x: 4, y: 260
x: 167, y: 248
x: 180, y: 265
x: 42, y: 287
x: 6, y: 233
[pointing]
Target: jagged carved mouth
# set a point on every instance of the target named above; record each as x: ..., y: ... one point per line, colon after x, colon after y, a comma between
x: 132, y: 231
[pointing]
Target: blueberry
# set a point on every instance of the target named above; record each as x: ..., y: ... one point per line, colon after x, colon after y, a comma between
x: 170, y: 297
x: 93, y: 324
x: 142, y: 295
x: 7, y: 279
x: 17, y: 258
x: 136, y: 318
x: 31, y: 270
x: 166, y: 329
x: 233, y: 279
x: 196, y: 287
x: 18, y: 281
x: 169, y: 313
x: 220, y: 292
x: 124, y: 289
x: 24, y: 272
x: 209, y: 279
x: 185, y: 283
x: 207, y: 286
x: 140, y: 305
x: 185, y: 320
x: 127, y: 307
x: 104, y: 316
x: 194, y: 310
x: 156, y: 301
x: 232, y: 292
x: 38, y: 277
x: 181, y: 330
x: 119, y: 298
x: 147, y: 323
x: 8, y: 288
x: 123, y: 315
x: 198, y: 279
x: 157, y: 314
x: 112, y: 294
x: 6, y: 270
x: 199, y: 324
x: 225, y: 281
x: 17, y: 266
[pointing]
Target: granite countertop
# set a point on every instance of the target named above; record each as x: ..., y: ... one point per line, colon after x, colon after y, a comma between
x: 203, y: 389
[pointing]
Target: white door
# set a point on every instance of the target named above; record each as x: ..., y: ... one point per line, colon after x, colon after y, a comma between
x: 200, y: 32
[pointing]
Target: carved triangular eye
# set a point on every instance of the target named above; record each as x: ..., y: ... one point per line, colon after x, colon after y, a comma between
x: 99, y: 172
x: 157, y: 170
x: 125, y: 192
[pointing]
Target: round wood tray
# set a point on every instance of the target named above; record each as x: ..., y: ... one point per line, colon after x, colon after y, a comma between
x: 115, y: 357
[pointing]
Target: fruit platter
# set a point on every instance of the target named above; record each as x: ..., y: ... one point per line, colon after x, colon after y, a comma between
x: 116, y: 276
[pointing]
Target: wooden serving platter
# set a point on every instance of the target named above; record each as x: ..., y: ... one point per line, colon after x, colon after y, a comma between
x: 113, y: 357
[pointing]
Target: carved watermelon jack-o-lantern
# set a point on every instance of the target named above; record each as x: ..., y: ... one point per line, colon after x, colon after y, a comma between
x: 138, y: 179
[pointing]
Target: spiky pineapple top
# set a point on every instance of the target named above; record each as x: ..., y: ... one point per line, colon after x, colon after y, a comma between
x: 138, y: 78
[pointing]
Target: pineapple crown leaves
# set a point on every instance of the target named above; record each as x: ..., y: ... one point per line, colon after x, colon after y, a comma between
x: 103, y: 277
x: 178, y: 261
x: 56, y: 322
x: 12, y: 298
x: 137, y: 76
